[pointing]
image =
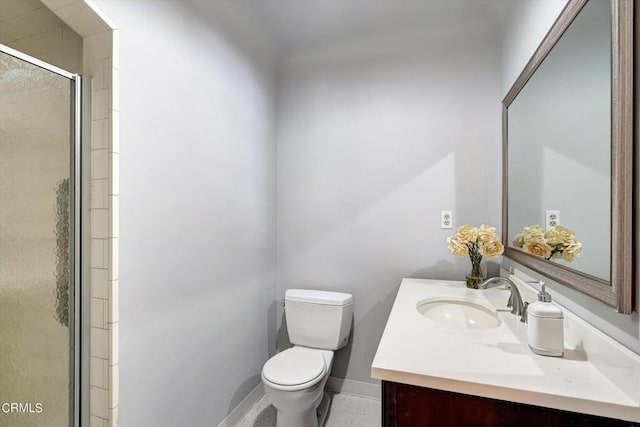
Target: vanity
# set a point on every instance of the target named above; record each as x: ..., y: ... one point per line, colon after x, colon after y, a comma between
x: 466, y: 371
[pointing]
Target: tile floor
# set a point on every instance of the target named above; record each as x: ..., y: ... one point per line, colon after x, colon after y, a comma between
x: 346, y: 410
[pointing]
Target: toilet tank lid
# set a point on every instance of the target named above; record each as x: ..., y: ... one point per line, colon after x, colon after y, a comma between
x: 318, y: 297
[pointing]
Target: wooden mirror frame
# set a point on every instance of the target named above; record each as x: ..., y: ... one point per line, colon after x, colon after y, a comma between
x: 618, y: 291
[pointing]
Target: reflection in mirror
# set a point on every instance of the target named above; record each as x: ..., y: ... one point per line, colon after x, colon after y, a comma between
x: 560, y: 149
x: 568, y: 154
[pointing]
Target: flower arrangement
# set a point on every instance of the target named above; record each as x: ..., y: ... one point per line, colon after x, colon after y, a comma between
x: 554, y: 243
x: 475, y: 242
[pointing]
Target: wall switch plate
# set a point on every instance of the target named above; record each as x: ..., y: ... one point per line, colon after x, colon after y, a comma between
x: 446, y: 219
x: 552, y: 218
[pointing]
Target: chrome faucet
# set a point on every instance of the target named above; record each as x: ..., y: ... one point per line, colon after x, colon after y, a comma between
x: 515, y: 300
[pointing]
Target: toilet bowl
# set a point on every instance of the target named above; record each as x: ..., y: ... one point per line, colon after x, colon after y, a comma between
x: 318, y: 322
x: 294, y: 382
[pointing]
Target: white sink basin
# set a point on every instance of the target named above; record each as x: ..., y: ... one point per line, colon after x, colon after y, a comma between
x: 459, y: 313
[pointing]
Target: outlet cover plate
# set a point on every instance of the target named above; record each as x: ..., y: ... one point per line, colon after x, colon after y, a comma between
x: 552, y: 218
x: 446, y: 219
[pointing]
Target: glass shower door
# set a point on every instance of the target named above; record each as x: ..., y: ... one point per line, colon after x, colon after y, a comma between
x: 37, y: 316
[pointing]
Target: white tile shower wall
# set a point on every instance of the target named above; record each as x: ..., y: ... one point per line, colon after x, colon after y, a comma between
x: 104, y: 229
x: 33, y: 29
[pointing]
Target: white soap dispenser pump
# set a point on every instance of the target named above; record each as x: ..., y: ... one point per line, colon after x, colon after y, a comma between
x: 546, y: 325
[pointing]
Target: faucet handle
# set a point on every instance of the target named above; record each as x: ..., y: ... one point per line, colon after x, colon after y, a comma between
x: 540, y: 282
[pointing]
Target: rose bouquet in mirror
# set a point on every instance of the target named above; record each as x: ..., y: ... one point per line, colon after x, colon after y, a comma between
x: 477, y: 243
x: 555, y: 243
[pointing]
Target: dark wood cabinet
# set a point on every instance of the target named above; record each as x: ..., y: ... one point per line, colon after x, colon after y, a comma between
x: 408, y: 406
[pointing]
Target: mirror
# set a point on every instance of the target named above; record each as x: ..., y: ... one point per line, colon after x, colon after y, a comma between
x: 567, y: 138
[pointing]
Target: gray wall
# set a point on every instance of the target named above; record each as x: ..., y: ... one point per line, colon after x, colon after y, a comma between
x: 375, y: 138
x: 197, y: 210
x: 528, y: 24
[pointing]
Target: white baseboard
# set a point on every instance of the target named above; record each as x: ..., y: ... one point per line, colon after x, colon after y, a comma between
x: 358, y: 388
x: 243, y: 407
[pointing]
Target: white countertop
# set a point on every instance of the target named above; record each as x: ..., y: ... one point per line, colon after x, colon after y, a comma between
x: 595, y: 376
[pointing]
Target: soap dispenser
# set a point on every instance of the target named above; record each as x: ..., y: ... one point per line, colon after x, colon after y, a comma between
x: 546, y: 325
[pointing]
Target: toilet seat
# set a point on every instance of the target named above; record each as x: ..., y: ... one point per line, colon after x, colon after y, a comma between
x: 294, y: 369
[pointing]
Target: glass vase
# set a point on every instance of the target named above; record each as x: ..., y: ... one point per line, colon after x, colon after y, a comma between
x: 476, y: 271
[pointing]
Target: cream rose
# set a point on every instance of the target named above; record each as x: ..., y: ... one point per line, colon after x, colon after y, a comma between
x: 467, y: 233
x: 519, y: 240
x: 572, y: 251
x: 492, y: 248
x: 559, y: 235
x: 538, y: 248
x: 486, y: 233
x: 534, y: 233
x: 457, y: 246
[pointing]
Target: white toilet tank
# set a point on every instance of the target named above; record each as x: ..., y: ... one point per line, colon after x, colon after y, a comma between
x: 318, y: 319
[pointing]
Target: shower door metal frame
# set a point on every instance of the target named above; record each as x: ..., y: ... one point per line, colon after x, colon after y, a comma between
x: 80, y: 218
x: 37, y: 62
x: 83, y: 277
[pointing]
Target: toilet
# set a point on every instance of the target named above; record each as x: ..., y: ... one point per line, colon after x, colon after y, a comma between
x: 318, y: 323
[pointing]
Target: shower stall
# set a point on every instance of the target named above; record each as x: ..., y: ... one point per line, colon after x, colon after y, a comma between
x: 43, y: 221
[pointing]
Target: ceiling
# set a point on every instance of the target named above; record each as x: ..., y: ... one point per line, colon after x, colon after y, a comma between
x: 296, y: 24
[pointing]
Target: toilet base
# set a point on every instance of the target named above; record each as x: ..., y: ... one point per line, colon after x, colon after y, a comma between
x: 312, y: 418
x: 305, y: 406
x: 323, y: 409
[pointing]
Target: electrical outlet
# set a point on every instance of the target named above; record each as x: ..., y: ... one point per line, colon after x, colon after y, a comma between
x: 552, y: 218
x: 446, y: 219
